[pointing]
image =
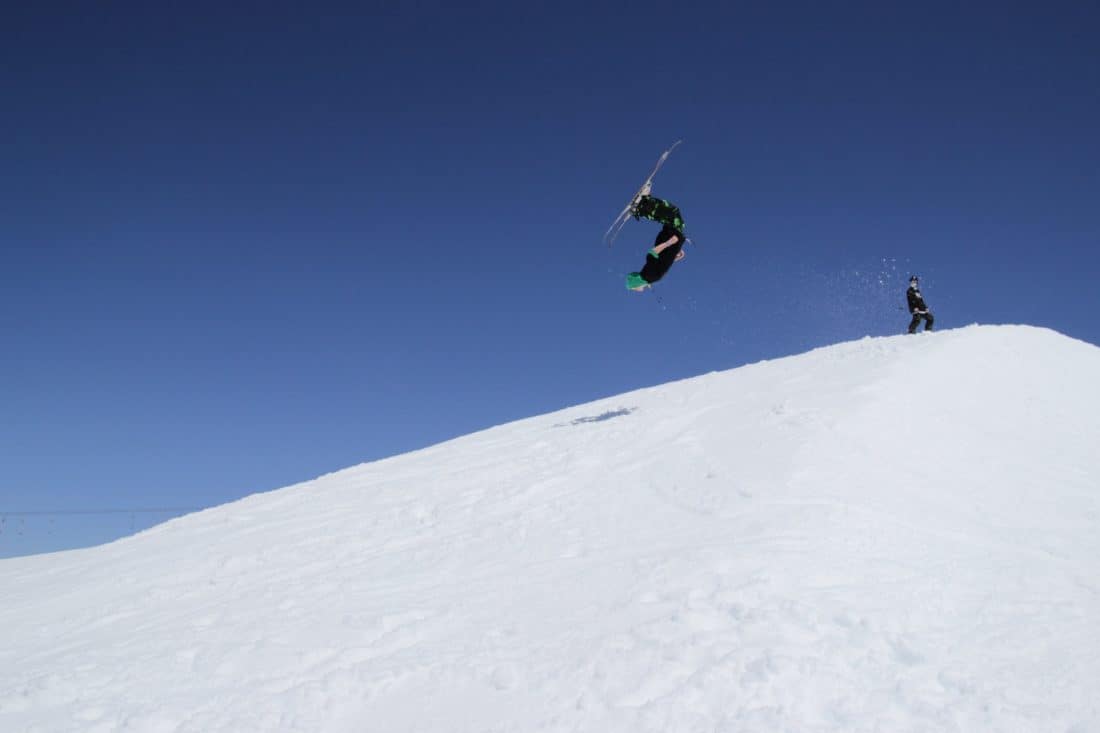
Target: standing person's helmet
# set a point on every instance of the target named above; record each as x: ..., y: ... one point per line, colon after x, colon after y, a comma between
x: 913, y: 281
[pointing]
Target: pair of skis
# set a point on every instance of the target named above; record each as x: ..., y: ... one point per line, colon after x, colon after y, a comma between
x: 624, y: 215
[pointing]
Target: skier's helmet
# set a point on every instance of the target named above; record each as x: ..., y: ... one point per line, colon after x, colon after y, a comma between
x: 913, y: 281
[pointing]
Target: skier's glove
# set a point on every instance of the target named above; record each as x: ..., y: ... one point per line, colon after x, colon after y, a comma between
x: 654, y: 253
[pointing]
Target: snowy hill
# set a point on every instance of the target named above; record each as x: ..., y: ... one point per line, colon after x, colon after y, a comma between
x: 894, y: 534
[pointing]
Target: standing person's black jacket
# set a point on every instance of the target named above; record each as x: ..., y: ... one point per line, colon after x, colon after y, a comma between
x: 916, y: 301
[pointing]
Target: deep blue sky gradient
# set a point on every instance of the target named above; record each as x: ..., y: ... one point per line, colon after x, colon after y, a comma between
x: 244, y: 246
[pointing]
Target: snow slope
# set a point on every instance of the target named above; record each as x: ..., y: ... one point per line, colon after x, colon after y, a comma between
x: 893, y: 534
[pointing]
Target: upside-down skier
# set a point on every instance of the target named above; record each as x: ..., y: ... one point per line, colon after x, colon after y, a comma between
x: 667, y: 247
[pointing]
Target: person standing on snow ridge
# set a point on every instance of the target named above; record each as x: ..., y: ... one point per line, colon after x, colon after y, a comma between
x: 917, y: 306
x: 667, y: 248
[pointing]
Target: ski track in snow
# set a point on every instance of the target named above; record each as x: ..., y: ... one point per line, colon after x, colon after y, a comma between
x: 894, y: 534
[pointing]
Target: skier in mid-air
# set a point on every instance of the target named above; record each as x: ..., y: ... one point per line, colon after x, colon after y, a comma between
x: 667, y: 248
x: 917, y: 306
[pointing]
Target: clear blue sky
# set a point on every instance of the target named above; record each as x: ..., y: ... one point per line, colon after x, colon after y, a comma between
x: 245, y: 244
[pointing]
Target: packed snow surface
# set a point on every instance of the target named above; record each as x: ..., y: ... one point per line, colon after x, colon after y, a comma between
x: 893, y: 534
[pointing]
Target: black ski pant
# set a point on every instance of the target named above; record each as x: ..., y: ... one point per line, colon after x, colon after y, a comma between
x: 660, y: 211
x: 928, y: 320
